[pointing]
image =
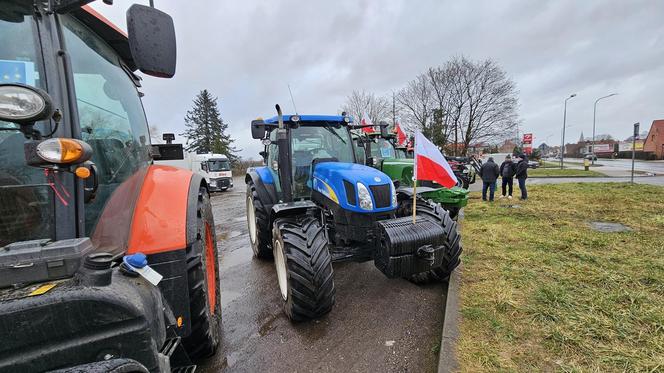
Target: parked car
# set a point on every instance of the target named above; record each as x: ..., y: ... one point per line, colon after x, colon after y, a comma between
x: 533, y: 164
x: 591, y: 157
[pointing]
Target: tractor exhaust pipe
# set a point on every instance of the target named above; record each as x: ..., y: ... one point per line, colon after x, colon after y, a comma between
x: 285, y: 172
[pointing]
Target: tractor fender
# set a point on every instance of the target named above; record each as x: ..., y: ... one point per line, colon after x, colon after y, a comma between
x: 264, y: 184
x: 291, y: 208
x: 160, y: 216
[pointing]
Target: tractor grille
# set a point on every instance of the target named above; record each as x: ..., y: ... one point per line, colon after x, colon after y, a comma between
x: 350, y: 193
x: 382, y: 195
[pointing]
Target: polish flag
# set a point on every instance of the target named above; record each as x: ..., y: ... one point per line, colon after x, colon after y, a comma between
x: 401, y: 136
x: 366, y: 122
x: 430, y: 164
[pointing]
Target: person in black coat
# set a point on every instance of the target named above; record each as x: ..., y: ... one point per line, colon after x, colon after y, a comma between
x: 489, y: 173
x: 507, y: 171
x: 521, y: 175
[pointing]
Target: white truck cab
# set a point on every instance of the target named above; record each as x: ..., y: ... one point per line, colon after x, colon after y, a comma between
x: 215, y: 168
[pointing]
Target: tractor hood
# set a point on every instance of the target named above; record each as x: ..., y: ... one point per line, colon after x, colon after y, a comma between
x: 339, y: 183
x: 399, y: 169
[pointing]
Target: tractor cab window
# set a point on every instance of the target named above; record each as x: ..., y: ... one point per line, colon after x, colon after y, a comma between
x: 110, y: 112
x: 322, y: 142
x: 401, y: 153
x: 218, y: 165
x: 382, y: 148
x: 26, y: 195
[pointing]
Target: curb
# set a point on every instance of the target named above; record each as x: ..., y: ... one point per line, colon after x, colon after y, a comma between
x: 447, y: 361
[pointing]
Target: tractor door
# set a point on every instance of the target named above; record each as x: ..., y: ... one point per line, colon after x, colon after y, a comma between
x: 111, y: 120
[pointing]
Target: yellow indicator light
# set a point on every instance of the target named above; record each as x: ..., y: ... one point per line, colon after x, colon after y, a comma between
x: 71, y: 150
x: 42, y: 289
x: 180, y: 321
x: 82, y: 172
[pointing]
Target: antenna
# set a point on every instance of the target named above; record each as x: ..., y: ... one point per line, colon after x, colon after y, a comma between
x: 291, y: 98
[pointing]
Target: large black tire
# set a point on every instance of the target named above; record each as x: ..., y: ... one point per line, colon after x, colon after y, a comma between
x: 453, y: 249
x: 308, y: 287
x: 203, y: 267
x: 259, y: 235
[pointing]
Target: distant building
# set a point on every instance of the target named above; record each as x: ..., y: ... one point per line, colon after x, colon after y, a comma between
x: 507, y: 146
x: 654, y: 142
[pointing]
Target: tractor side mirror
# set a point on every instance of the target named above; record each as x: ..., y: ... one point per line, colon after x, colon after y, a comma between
x: 257, y: 129
x: 383, y: 129
x: 167, y: 152
x: 152, y: 40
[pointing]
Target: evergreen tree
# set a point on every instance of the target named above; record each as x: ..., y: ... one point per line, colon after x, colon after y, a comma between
x: 206, y: 130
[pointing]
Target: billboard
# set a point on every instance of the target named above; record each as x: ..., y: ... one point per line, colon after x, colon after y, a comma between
x: 527, y: 138
x: 627, y: 146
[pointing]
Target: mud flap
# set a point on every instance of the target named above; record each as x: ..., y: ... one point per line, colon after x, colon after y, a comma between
x: 404, y: 248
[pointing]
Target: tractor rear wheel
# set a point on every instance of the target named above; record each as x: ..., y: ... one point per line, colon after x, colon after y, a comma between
x: 304, y: 267
x: 258, y: 224
x: 453, y: 249
x: 203, y: 278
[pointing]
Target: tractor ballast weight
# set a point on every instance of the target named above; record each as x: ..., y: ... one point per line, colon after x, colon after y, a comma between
x: 313, y: 204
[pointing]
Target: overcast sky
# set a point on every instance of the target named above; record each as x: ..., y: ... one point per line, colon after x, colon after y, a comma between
x: 246, y: 52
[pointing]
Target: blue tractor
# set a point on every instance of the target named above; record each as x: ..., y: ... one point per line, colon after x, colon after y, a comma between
x: 312, y: 204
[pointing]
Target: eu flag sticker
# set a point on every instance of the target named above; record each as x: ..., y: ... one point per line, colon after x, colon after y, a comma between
x: 17, y: 72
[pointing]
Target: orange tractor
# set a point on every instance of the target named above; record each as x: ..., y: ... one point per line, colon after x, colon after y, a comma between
x: 108, y: 261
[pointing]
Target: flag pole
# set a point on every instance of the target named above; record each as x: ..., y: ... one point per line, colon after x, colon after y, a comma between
x: 414, y: 182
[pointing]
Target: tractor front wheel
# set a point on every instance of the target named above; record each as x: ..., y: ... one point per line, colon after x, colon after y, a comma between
x: 453, y: 248
x: 304, y: 267
x: 203, y: 279
x: 258, y: 224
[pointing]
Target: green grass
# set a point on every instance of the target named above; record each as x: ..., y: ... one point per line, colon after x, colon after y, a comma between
x: 565, y: 172
x: 541, y: 291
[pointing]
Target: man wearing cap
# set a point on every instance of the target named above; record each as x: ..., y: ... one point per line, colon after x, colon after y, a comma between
x: 507, y: 171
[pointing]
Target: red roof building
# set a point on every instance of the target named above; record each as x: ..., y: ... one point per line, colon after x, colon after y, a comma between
x: 654, y: 143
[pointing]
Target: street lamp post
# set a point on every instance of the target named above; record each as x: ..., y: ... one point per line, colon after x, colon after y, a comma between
x: 594, y: 115
x: 562, y: 142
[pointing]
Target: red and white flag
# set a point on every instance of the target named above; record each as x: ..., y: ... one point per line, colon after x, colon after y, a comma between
x: 430, y: 164
x: 401, y: 135
x: 366, y: 121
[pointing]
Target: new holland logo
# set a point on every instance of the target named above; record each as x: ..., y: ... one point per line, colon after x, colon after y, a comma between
x: 377, y: 179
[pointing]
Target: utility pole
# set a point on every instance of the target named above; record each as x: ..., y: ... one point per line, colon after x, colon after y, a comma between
x: 636, y: 134
x: 594, y: 115
x: 562, y: 142
x: 394, y: 112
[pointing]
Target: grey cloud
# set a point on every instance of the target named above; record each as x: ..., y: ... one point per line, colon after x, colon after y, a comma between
x: 247, y: 52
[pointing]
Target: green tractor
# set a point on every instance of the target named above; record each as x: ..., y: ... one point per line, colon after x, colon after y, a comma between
x: 312, y: 204
x: 381, y: 151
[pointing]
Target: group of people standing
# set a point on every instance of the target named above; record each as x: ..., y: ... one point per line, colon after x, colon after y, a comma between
x: 508, y: 170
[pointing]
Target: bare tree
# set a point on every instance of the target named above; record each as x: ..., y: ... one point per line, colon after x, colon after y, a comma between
x: 416, y: 104
x: 376, y: 107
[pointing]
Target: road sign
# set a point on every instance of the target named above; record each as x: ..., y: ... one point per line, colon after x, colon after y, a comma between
x: 527, y: 138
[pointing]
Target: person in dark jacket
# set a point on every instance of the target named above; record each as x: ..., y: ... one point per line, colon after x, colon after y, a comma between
x: 489, y: 173
x: 521, y: 175
x: 507, y: 171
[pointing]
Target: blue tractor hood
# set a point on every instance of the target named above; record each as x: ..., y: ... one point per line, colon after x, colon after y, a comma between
x: 338, y: 182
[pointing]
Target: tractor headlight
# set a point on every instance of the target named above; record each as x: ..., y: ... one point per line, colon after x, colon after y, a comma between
x: 394, y: 196
x: 64, y: 151
x: 365, y: 197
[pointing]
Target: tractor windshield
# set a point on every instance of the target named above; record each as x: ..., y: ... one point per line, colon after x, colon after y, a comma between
x: 322, y: 142
x: 26, y: 194
x: 382, y: 148
x: 218, y: 165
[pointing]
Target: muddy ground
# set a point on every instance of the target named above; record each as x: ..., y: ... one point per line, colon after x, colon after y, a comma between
x: 376, y: 325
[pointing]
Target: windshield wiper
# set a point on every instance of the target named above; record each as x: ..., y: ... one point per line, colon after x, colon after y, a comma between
x: 327, y: 127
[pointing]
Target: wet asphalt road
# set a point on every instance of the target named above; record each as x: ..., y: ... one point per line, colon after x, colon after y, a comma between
x: 376, y: 325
